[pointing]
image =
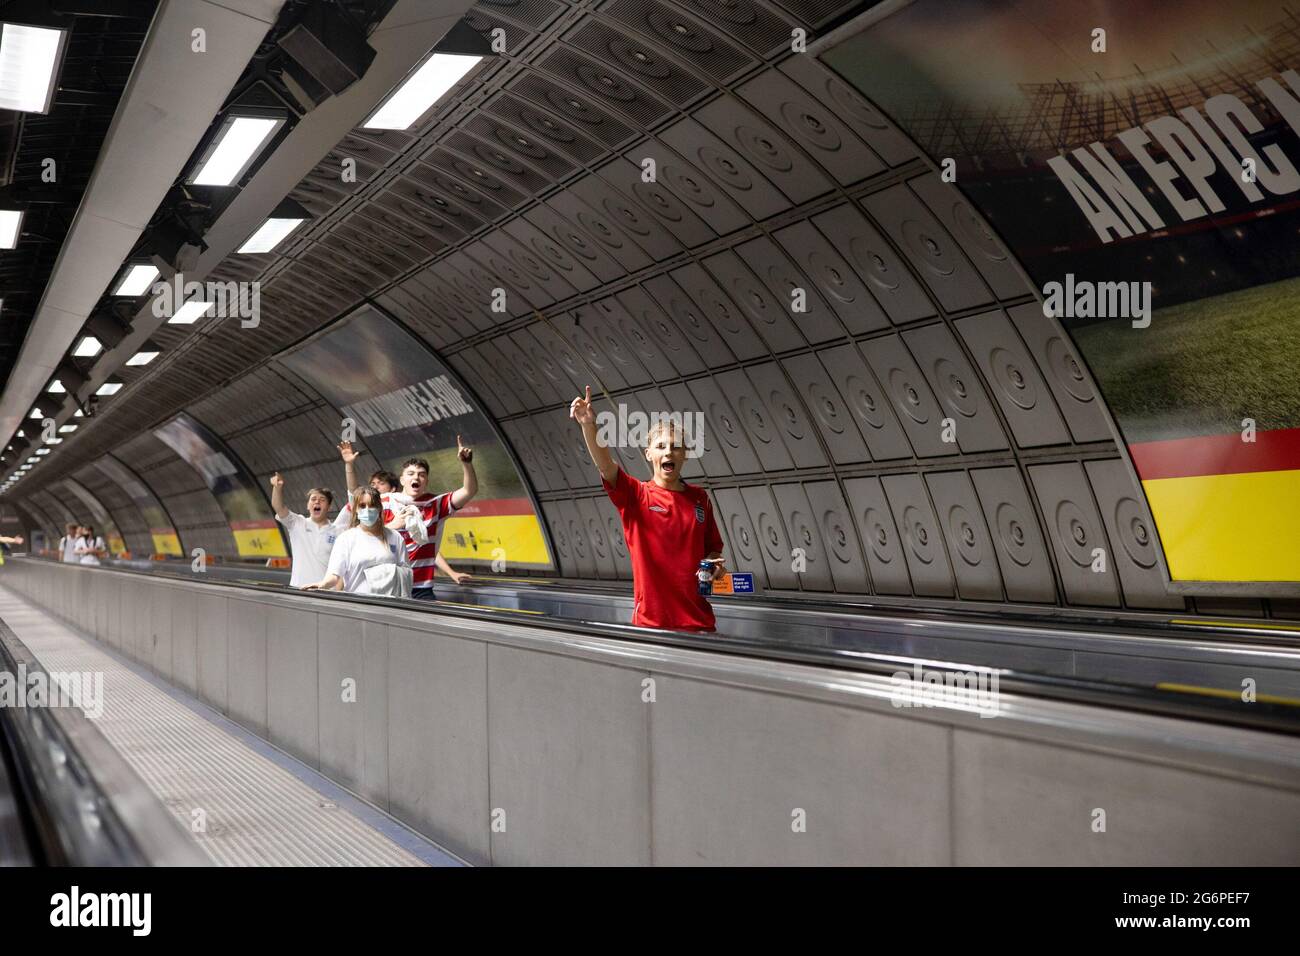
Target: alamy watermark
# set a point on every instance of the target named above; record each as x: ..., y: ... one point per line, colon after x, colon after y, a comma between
x: 1084, y: 299
x: 39, y: 688
x: 975, y: 691
x: 226, y: 300
x: 631, y: 428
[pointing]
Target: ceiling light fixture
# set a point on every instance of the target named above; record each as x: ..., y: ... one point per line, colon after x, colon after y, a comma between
x: 137, y: 280
x: 236, y: 145
x: 187, y: 314
x: 284, y: 219
x: 11, y: 224
x: 30, y: 57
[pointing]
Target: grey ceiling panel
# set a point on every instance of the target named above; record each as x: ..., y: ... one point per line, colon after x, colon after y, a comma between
x: 788, y: 415
x: 628, y: 454
x: 523, y: 292
x: 766, y: 147
x: 866, y: 401
x: 701, y: 291
x: 559, y: 386
x: 805, y: 535
x: 597, y: 537
x: 468, y: 365
x: 530, y: 385
x: 583, y: 558
x: 773, y: 543
x: 829, y: 410
x: 590, y: 119
x: 838, y: 283
x: 705, y: 340
x: 679, y: 188
x: 523, y: 439
x: 1066, y: 375
x: 667, y: 353
x: 703, y: 49
x: 909, y: 394
x: 872, y: 126
x: 557, y: 523
x: 1076, y: 532
x: 559, y: 436
x: 767, y: 314
x: 816, y: 322
x: 922, y: 541
x: 547, y: 285
x: 756, y: 420
x: 724, y: 430
x: 556, y: 132
x: 834, y: 521
x: 482, y: 285
x: 660, y: 223
x: 554, y: 254
x: 443, y: 299
x: 970, y: 546
x: 973, y: 234
x: 475, y: 204
x: 580, y: 243
x: 617, y: 542
x: 1132, y: 536
x: 602, y: 227
x: 639, y: 61
x: 728, y: 169
x: 813, y: 126
x: 495, y: 372
x: 561, y: 362
x: 591, y: 350
x: 743, y: 551
x: 957, y: 387
x: 877, y: 265
x: 1023, y: 396
x: 617, y: 215
x: 928, y: 247
x: 604, y: 324
x: 1017, y: 539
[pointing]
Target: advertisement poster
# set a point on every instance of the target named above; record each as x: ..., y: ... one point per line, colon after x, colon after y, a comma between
x: 1142, y: 161
x: 407, y: 404
x: 165, y: 539
x: 103, y: 522
x: 257, y: 535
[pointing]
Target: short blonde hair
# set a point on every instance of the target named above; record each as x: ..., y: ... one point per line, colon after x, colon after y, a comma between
x: 661, y: 422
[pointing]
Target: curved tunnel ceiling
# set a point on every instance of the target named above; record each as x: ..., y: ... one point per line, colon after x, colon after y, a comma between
x: 918, y: 429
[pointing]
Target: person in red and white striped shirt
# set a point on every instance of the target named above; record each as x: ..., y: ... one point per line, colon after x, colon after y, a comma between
x: 432, y: 509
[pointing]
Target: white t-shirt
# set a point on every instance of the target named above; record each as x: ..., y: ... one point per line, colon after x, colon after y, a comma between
x: 68, y: 547
x: 311, y: 544
x: 357, y: 549
x: 96, y: 543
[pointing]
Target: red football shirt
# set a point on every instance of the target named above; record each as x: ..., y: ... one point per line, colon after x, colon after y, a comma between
x: 423, y: 557
x: 668, y: 533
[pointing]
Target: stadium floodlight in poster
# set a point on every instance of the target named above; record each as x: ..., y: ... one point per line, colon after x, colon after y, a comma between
x: 164, y: 536
x: 1141, y: 160
x: 407, y: 404
x: 241, y: 501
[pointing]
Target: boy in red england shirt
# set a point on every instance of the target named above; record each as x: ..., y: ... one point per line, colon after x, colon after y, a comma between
x: 431, y: 509
x: 668, y: 524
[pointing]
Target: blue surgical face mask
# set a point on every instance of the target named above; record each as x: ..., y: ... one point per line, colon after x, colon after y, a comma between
x: 367, y: 516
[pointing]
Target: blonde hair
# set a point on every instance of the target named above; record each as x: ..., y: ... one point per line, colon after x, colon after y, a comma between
x: 670, y: 422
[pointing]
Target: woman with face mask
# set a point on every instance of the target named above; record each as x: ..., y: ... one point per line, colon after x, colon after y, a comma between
x: 361, y: 553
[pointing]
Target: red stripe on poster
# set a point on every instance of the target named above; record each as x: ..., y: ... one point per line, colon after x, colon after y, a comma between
x: 495, y: 506
x: 1277, y: 450
x: 252, y: 525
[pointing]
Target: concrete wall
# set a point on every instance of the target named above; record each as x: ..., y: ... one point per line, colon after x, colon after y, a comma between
x: 455, y: 722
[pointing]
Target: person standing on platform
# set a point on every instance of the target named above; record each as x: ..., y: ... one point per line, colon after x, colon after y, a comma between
x: 430, y: 509
x: 361, y: 553
x: 68, y: 543
x: 311, y: 536
x: 668, y: 524
x: 90, y: 547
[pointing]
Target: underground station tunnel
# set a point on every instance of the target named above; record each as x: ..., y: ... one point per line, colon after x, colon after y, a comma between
x: 650, y: 432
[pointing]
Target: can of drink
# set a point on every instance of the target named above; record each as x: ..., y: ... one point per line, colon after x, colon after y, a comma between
x: 705, y: 576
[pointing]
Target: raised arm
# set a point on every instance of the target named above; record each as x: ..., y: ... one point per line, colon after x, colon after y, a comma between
x: 469, y: 480
x: 277, y: 497
x: 349, y: 456
x: 580, y: 411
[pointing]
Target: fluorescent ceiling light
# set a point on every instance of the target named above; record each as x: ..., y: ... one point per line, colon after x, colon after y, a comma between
x: 42, y: 451
x: 88, y: 347
x: 32, y: 460
x: 64, y: 429
x: 11, y: 221
x: 53, y: 441
x: 270, y: 235
x: 142, y: 358
x: 78, y: 414
x: 137, y: 280
x: 406, y: 104
x: 56, y: 388
x: 108, y: 388
x: 234, y: 148
x: 187, y: 314
x: 29, y: 65
x: 36, y: 413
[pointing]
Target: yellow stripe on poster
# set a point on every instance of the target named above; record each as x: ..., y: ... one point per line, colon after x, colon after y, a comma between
x: 258, y: 542
x: 477, y: 539
x: 1241, y: 527
x: 166, y: 544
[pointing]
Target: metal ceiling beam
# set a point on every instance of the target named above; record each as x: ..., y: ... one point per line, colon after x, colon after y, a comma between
x: 167, y: 106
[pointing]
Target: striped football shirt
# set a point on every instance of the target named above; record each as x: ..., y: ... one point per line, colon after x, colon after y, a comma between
x: 433, y: 508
